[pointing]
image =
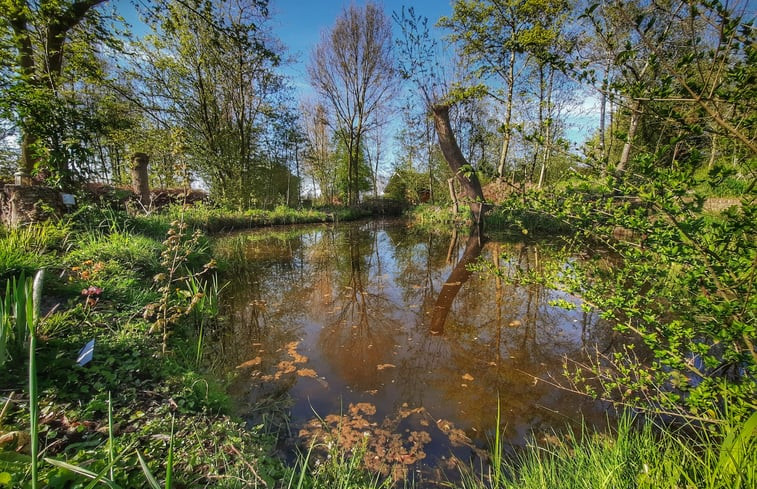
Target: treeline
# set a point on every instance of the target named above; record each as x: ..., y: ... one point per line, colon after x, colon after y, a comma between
x: 201, y: 92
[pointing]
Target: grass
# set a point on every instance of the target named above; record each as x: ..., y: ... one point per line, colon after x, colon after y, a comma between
x: 632, y: 457
x: 339, y: 470
x: 28, y: 248
x: 427, y: 215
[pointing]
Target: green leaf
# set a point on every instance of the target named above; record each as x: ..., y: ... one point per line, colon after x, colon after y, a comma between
x: 148, y: 475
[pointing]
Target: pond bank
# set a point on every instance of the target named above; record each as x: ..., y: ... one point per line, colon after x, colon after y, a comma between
x: 121, y: 256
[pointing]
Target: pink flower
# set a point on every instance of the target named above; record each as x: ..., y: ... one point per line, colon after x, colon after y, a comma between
x: 91, y: 290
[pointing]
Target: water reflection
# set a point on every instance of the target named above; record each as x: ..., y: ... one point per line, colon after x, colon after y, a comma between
x: 460, y: 274
x: 389, y: 323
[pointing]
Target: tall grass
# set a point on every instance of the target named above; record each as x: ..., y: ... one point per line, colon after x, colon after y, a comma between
x: 206, y: 298
x: 25, y: 249
x: 339, y: 470
x: 631, y: 457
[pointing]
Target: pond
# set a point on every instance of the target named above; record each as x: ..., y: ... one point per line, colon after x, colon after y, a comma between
x: 379, y: 334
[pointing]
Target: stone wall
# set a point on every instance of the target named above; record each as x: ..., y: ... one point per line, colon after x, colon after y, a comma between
x: 20, y: 204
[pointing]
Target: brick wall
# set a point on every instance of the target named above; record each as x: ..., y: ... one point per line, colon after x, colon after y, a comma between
x: 20, y: 204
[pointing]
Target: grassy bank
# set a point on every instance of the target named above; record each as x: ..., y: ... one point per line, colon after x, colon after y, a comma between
x: 138, y: 410
x: 635, y: 455
x: 214, y: 220
x: 103, y: 416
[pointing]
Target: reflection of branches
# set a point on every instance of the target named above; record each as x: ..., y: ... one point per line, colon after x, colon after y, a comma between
x: 361, y: 335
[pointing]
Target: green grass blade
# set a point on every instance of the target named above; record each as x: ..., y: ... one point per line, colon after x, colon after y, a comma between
x: 169, y: 463
x: 735, y: 447
x: 19, y: 301
x: 5, y: 323
x: 96, y: 478
x: 148, y: 475
x: 111, y: 438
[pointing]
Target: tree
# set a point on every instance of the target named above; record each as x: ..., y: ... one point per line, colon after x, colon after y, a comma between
x: 500, y: 36
x: 36, y: 35
x: 419, y: 63
x: 208, y: 72
x: 319, y: 150
x: 352, y: 69
x: 346, y: 183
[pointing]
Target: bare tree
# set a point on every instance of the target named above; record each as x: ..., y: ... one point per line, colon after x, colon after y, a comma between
x: 318, y: 156
x: 352, y: 68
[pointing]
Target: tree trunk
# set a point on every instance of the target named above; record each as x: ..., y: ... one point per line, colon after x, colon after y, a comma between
x: 603, y: 112
x: 508, y: 117
x: 453, y: 195
x: 632, y: 126
x: 547, y: 129
x: 456, y: 161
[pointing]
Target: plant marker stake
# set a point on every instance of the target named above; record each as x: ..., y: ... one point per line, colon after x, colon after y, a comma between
x: 86, y: 353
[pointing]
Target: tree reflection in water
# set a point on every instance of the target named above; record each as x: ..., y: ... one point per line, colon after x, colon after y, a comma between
x: 394, y: 317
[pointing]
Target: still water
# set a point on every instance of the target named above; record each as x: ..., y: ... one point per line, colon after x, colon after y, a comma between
x: 375, y: 333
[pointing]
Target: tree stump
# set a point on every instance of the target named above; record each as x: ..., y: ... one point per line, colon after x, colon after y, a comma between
x: 139, y: 178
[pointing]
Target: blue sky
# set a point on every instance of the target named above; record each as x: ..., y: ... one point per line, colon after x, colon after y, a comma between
x: 299, y: 24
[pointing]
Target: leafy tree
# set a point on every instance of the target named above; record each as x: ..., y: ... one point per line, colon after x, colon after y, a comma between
x: 208, y: 72
x: 48, y: 45
x: 501, y: 37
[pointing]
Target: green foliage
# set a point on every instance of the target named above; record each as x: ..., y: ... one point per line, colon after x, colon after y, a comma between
x: 198, y: 70
x: 14, y: 308
x: 26, y: 249
x: 352, y: 177
x: 680, y: 281
x: 49, y: 53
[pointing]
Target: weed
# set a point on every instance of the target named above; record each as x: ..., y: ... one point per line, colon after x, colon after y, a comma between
x: 177, y: 298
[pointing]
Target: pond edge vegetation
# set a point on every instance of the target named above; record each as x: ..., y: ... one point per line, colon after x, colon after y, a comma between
x: 121, y: 261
